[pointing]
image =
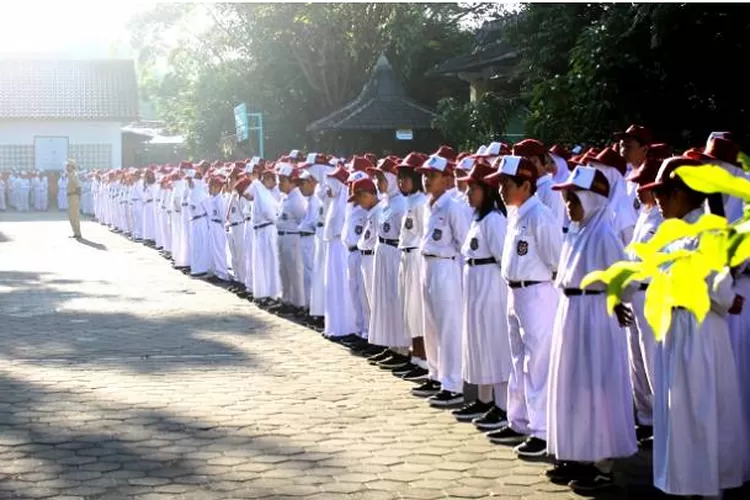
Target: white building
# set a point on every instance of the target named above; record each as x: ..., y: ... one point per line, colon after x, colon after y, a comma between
x: 52, y: 110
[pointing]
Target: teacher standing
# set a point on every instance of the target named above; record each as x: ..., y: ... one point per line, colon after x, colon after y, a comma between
x: 73, y: 190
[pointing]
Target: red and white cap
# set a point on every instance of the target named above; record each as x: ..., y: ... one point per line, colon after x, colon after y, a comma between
x: 587, y: 179
x: 436, y: 163
x: 357, y: 175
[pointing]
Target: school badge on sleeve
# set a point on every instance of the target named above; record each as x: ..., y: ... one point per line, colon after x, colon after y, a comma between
x: 320, y: 211
x: 409, y: 223
x: 358, y: 230
x: 284, y: 216
x: 367, y: 234
x: 437, y: 234
x: 215, y: 213
x: 474, y: 244
x: 234, y: 209
x: 522, y: 248
x: 386, y: 227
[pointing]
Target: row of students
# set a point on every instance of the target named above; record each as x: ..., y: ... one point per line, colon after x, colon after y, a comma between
x: 449, y: 269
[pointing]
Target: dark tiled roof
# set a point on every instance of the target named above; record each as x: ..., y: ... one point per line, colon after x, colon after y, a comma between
x: 381, y: 105
x: 490, y: 50
x: 497, y: 54
x: 68, y: 89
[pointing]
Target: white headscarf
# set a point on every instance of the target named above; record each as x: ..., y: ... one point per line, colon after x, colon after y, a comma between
x: 591, y: 245
x: 621, y: 205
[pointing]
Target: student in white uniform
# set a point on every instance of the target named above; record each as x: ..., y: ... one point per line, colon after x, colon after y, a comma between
x: 386, y: 326
x: 318, y: 166
x: 698, y: 423
x: 533, y: 150
x: 200, y: 254
x: 486, y: 346
x: 307, y: 228
x: 411, y: 268
x: 590, y: 414
x: 441, y: 244
x: 266, y: 273
x: 640, y: 335
x: 365, y: 198
x: 339, y: 309
x: 354, y: 223
x: 633, y: 145
x: 216, y: 208
x: 235, y: 219
x: 531, y: 254
x: 62, y: 199
x: 293, y: 208
x: 149, y: 219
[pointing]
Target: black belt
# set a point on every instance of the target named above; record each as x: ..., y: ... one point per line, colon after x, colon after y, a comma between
x: 575, y: 292
x: 481, y: 262
x: 353, y: 249
x: 248, y: 218
x: 288, y: 233
x: 148, y: 201
x: 236, y: 223
x: 302, y: 235
x: 261, y: 226
x: 367, y: 252
x: 431, y: 256
x: 393, y: 243
x: 319, y: 224
x: 198, y: 217
x: 409, y: 249
x: 523, y: 284
x: 216, y: 221
x: 184, y: 204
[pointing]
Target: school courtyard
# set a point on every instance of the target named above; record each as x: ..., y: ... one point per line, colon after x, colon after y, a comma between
x: 122, y: 378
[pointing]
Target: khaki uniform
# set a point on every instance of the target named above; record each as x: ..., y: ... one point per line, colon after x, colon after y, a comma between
x: 74, y: 202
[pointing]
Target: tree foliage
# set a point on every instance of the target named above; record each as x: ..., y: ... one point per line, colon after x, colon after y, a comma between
x: 468, y: 125
x: 590, y: 69
x: 293, y: 62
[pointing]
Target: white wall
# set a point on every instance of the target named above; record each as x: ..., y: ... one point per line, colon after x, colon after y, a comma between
x: 23, y: 132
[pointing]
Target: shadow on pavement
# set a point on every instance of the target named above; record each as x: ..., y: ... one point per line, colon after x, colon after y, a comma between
x: 92, y: 244
x: 37, y: 327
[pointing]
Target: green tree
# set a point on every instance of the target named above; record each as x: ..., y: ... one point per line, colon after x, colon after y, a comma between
x: 590, y: 69
x: 293, y: 62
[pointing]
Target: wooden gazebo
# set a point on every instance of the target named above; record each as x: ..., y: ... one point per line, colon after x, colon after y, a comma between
x: 380, y: 119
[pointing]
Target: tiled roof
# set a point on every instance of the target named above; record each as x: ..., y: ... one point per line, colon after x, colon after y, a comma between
x: 68, y: 89
x: 382, y: 104
x: 497, y: 54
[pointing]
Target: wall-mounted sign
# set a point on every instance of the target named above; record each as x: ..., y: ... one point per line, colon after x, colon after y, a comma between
x: 404, y: 134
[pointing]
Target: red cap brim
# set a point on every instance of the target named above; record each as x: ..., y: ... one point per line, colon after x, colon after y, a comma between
x: 650, y: 186
x: 564, y: 185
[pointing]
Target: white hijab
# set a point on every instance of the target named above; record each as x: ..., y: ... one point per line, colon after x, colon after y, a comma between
x: 590, y: 245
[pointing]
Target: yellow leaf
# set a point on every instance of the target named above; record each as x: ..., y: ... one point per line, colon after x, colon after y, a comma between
x: 674, y: 229
x: 712, y: 247
x: 742, y: 226
x: 658, y: 307
x: 689, y: 287
x: 713, y: 179
x: 739, y: 249
x: 616, y: 286
x: 607, y: 275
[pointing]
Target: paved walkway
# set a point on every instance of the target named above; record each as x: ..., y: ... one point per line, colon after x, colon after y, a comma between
x: 122, y: 378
